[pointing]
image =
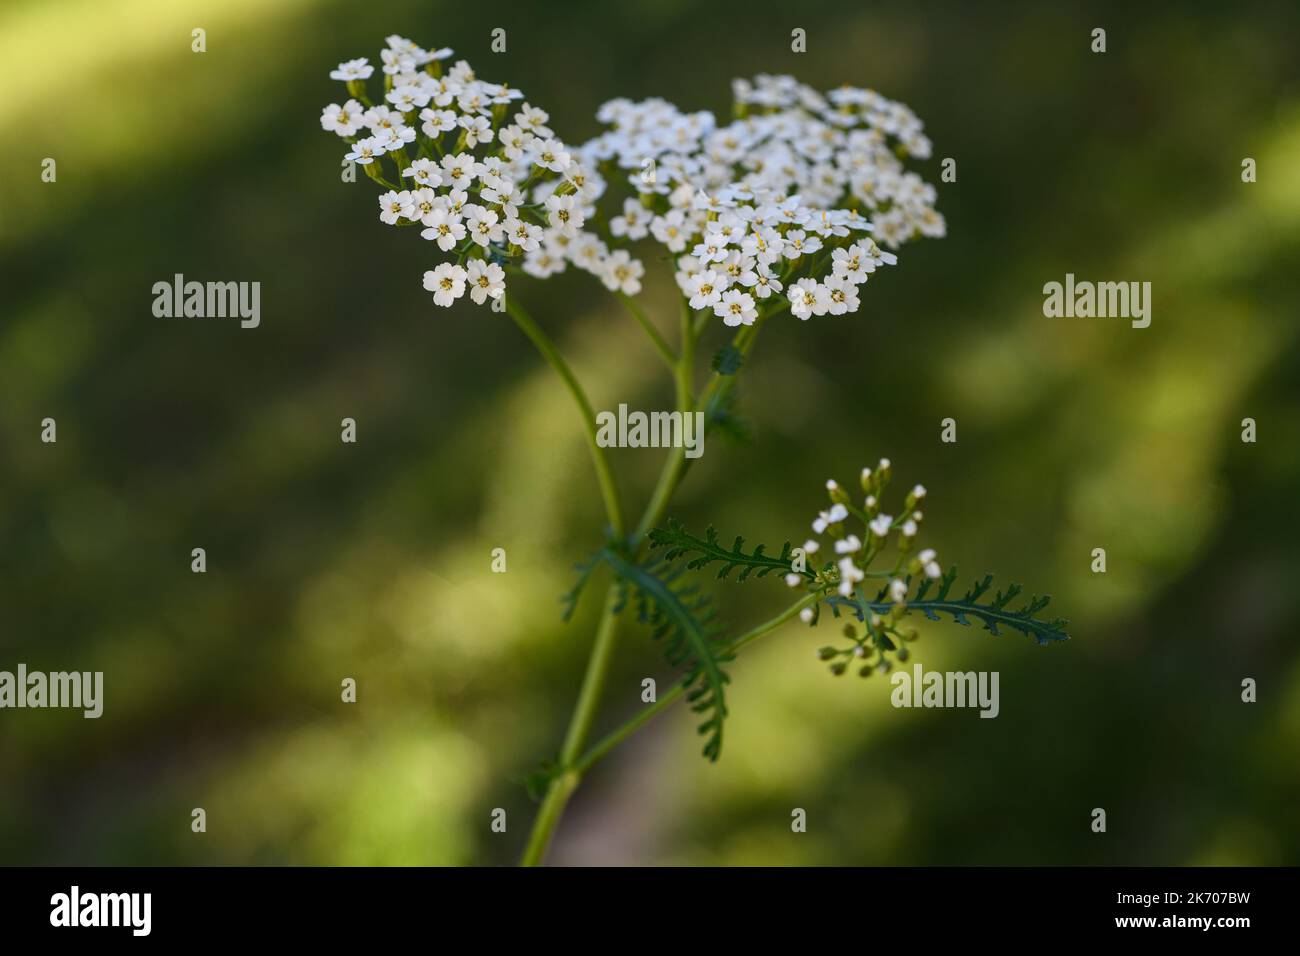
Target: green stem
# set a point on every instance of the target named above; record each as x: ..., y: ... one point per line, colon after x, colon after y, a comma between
x: 675, y: 467
x: 604, y: 475
x: 584, y: 712
x: 703, y: 320
x: 563, y: 785
x: 743, y: 343
x: 685, y: 370
x: 548, y: 817
x: 572, y: 765
x: 617, y: 736
x: 656, y: 339
x: 669, y: 478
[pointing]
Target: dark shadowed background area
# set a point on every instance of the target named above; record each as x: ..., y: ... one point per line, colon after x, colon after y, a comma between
x: 372, y: 560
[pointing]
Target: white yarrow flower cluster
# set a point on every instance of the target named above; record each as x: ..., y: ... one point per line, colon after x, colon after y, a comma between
x: 786, y: 206
x: 768, y: 205
x: 462, y: 154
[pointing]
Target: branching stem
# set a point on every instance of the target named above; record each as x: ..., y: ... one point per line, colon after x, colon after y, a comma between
x: 604, y: 475
x: 573, y: 763
x: 617, y: 736
x: 656, y: 338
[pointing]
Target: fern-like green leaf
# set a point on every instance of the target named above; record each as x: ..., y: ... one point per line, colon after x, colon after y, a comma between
x: 727, y: 360
x: 701, y: 552
x: 539, y: 779
x: 570, y: 597
x: 721, y: 415
x: 678, y: 613
x: 994, y: 614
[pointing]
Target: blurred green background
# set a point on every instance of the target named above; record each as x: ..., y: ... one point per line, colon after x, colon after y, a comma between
x: 373, y: 560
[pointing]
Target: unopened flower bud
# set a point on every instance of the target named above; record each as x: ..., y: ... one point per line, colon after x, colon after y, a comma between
x: 837, y: 494
x: 914, y: 497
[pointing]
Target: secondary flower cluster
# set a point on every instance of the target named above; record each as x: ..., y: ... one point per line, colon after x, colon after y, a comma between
x: 858, y: 536
x: 764, y: 205
x: 768, y: 207
x: 855, y: 551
